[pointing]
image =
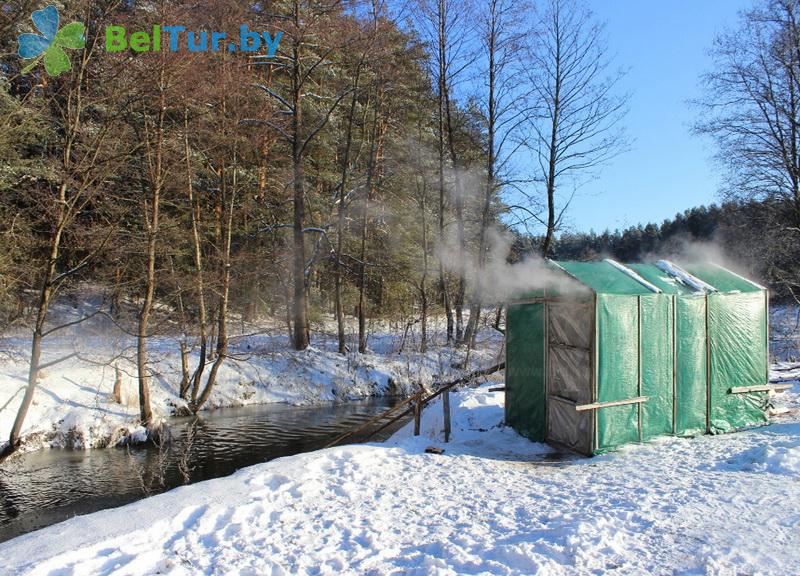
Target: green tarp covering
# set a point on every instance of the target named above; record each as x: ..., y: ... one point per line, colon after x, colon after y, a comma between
x: 736, y: 328
x: 525, y: 386
x: 657, y: 367
x: 618, y: 369
x: 686, y: 338
x: 602, y: 277
x: 660, y: 279
x: 721, y: 279
x: 690, y: 379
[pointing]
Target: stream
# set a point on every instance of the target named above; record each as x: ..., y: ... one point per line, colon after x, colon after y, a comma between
x: 48, y: 486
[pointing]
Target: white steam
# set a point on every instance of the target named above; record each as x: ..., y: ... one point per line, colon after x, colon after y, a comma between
x: 499, y: 280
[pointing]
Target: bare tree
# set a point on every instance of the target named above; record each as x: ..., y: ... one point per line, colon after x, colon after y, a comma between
x: 752, y: 111
x: 154, y: 128
x: 369, y: 40
x: 504, y: 109
x: 441, y: 84
x: 86, y: 156
x: 575, y: 128
x: 309, y: 33
x: 376, y: 133
x: 420, y: 195
x: 448, y: 26
x: 341, y: 210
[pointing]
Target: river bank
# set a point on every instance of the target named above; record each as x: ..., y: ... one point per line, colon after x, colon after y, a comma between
x: 44, y: 487
x: 74, y: 407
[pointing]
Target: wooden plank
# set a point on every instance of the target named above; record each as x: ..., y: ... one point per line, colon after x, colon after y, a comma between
x: 446, y: 406
x: 598, y: 405
x: 764, y: 388
x: 417, y: 414
x: 372, y: 421
x: 412, y: 404
x: 550, y: 300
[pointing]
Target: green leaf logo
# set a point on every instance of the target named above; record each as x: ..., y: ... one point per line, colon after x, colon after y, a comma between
x: 49, y: 45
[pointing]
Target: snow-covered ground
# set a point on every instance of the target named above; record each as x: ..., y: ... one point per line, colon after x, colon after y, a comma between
x: 493, y: 503
x: 73, y: 405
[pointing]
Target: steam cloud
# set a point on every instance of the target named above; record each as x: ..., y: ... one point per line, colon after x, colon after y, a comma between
x: 499, y: 280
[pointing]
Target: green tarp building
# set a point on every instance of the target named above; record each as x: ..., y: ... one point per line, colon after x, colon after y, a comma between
x: 606, y: 354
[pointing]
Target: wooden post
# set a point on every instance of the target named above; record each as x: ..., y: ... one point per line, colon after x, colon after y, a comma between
x: 117, y: 385
x: 417, y: 413
x: 708, y: 373
x: 639, y: 364
x: 446, y: 405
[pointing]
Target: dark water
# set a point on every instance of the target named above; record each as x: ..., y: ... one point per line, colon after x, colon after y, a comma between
x: 46, y: 487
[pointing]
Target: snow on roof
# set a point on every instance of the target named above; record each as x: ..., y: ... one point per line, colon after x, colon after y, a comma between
x: 612, y: 277
x: 625, y: 270
x: 684, y: 277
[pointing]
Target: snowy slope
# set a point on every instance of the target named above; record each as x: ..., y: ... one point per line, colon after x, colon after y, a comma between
x: 73, y: 405
x: 494, y: 503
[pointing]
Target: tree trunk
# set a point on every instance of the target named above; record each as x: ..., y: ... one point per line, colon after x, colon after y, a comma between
x: 442, y: 242
x: 475, y: 308
x: 362, y: 280
x: 145, y: 412
x: 117, y: 394
x: 423, y: 291
x: 151, y: 221
x: 45, y: 295
x: 183, y: 389
x: 445, y: 116
x: 337, y: 278
x: 459, y: 205
x: 226, y: 223
x: 186, y: 376
x: 299, y: 304
x: 299, y: 295
x: 552, y: 159
x: 194, y: 211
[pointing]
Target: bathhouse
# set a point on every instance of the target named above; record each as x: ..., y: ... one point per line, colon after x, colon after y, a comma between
x: 603, y: 354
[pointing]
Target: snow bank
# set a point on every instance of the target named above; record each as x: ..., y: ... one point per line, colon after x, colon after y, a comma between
x: 493, y: 503
x: 73, y: 406
x: 778, y: 459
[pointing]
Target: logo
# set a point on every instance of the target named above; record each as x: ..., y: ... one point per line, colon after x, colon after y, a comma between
x: 49, y: 46
x: 176, y: 38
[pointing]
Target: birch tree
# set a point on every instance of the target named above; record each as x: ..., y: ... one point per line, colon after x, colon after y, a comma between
x: 575, y: 127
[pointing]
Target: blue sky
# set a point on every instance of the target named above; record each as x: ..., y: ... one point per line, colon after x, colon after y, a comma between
x: 665, y: 44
